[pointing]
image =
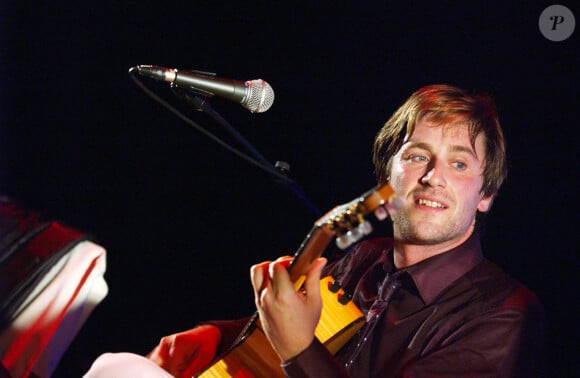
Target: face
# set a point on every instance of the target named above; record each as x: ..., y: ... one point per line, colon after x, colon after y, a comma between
x: 440, y: 175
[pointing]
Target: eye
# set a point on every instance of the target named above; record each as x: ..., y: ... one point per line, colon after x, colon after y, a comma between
x: 416, y: 158
x: 459, y: 165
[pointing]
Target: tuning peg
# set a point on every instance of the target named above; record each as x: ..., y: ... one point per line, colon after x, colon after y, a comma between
x: 343, y: 241
x: 381, y: 213
x: 344, y: 298
x: 360, y: 231
x: 366, y: 227
x: 334, y: 286
x: 355, y: 234
x: 397, y: 202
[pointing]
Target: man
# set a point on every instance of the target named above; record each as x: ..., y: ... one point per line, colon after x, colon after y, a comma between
x: 434, y: 305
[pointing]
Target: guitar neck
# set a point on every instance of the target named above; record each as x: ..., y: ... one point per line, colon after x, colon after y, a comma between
x: 311, y: 248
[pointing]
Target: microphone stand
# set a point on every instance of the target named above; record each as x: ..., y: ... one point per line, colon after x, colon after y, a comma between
x: 279, y: 170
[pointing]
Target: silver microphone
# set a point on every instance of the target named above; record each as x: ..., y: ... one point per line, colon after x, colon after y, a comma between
x: 255, y: 95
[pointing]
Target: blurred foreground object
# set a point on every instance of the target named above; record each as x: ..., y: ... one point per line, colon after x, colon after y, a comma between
x: 51, y: 279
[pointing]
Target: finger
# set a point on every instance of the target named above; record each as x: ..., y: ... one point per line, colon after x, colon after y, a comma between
x: 285, y: 260
x: 312, y: 283
x: 259, y: 271
x: 154, y: 355
x: 162, y: 355
x: 279, y: 276
x: 259, y: 277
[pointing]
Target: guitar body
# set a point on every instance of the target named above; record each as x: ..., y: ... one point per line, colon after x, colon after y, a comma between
x: 252, y: 355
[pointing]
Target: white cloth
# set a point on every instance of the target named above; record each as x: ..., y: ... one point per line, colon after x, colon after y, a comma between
x: 125, y: 365
x: 36, y: 340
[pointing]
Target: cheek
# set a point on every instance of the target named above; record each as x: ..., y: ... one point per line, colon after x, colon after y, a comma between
x: 397, y: 176
x: 402, y: 176
x: 471, y: 190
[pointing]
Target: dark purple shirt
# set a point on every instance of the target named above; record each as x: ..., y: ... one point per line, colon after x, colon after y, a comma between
x: 455, y: 314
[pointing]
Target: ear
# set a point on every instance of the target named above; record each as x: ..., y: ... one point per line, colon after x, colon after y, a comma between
x: 485, y: 203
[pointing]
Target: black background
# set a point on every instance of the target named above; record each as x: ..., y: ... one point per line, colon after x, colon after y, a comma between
x: 182, y: 219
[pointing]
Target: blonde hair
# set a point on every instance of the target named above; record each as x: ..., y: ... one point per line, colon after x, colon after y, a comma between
x: 445, y: 104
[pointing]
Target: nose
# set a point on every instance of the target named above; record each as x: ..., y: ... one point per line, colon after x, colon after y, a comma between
x: 434, y: 176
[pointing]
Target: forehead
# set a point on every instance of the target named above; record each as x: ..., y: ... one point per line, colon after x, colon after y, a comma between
x: 455, y: 134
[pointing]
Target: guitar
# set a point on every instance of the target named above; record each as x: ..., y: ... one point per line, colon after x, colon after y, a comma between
x: 251, y: 356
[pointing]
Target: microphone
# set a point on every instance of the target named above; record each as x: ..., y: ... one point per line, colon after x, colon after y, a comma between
x: 255, y: 95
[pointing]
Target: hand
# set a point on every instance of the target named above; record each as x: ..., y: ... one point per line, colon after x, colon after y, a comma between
x: 185, y: 353
x: 288, y: 317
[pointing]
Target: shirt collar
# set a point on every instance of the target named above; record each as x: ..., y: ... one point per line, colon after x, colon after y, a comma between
x: 433, y: 275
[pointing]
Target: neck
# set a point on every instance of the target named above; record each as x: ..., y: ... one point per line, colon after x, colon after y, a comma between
x: 407, y: 254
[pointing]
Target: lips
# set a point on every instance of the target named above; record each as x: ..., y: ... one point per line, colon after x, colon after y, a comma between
x: 435, y: 199
x: 428, y: 203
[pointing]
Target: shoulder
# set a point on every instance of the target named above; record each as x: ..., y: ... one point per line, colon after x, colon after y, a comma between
x: 502, y: 292
x: 488, y: 307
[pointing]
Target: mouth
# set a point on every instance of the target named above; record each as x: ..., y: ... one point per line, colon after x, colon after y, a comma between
x: 430, y: 203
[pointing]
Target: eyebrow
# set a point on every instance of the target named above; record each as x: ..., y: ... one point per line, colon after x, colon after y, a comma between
x: 457, y: 148
x: 454, y: 148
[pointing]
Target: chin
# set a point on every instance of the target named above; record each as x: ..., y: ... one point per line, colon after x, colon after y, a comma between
x: 425, y: 234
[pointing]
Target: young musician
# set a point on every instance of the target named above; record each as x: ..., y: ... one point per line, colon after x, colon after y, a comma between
x: 434, y: 305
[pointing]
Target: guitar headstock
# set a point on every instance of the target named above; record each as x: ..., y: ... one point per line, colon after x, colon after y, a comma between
x: 345, y: 222
x: 348, y: 221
